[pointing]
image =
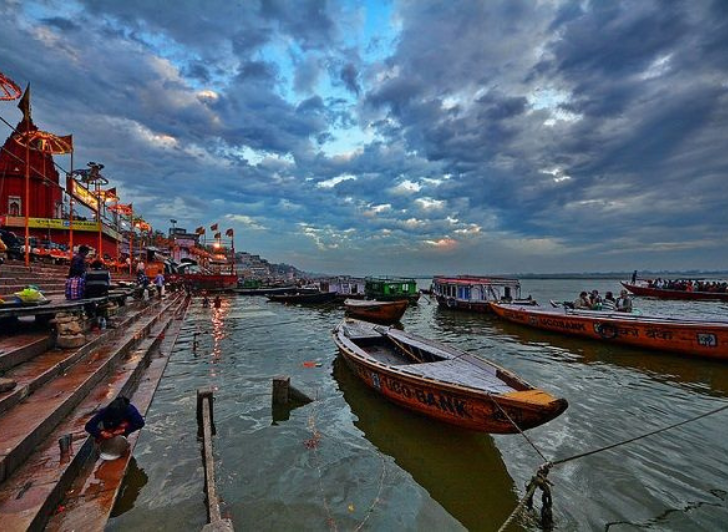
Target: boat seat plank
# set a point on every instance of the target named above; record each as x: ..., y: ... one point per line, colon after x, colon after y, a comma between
x: 463, y: 372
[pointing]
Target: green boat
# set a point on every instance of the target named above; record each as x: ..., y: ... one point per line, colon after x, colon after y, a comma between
x: 391, y: 289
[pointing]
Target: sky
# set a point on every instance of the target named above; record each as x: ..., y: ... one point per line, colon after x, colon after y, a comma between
x: 399, y: 138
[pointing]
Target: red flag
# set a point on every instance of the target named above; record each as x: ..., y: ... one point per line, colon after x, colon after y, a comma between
x: 217, y: 235
x: 68, y: 139
x: 24, y: 104
x: 229, y: 233
x: 200, y: 230
x: 213, y: 227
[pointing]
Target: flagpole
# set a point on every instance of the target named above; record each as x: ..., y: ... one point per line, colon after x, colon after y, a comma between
x: 27, y: 192
x: 69, y: 187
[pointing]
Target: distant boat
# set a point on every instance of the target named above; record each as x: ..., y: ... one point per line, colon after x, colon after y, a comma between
x: 391, y: 289
x: 376, y: 311
x: 442, y: 382
x: 307, y: 298
x: 265, y: 291
x: 642, y: 288
x: 696, y: 338
x: 474, y: 293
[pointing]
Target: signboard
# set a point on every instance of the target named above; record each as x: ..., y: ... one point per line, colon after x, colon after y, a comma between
x: 82, y: 194
x: 60, y: 224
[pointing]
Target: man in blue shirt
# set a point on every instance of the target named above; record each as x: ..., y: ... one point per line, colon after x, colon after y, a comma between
x: 119, y: 418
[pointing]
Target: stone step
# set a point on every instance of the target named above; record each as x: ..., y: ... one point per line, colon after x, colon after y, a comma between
x: 30, y: 376
x: 19, y: 348
x: 27, y: 424
x: 32, y: 495
x: 84, y: 498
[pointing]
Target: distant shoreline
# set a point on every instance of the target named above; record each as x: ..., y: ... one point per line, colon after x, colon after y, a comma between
x: 606, y: 276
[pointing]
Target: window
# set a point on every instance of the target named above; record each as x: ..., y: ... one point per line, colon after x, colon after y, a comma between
x: 15, y: 206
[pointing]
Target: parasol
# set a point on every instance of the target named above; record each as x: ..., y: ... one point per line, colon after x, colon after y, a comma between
x: 45, y: 142
x: 9, y: 90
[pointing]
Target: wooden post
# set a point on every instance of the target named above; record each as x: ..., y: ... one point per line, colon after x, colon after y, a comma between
x: 281, y: 386
x: 207, y: 429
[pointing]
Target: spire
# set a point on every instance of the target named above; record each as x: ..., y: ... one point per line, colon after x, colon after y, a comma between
x: 24, y: 104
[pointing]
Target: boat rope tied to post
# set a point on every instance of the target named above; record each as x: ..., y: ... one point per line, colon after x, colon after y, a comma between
x: 540, y: 479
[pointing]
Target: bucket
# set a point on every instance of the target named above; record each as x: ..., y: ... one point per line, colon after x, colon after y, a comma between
x: 113, y: 448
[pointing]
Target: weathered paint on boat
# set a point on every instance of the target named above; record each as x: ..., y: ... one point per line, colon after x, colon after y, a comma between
x: 377, y: 311
x: 473, y: 293
x: 688, y: 337
x: 663, y: 293
x: 464, y: 406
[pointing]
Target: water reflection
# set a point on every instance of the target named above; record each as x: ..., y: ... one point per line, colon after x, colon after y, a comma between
x: 135, y: 479
x: 460, y: 469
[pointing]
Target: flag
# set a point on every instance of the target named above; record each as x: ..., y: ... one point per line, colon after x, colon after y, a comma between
x: 229, y: 233
x: 200, y: 230
x: 24, y: 104
x: 213, y: 227
x: 68, y: 139
x: 217, y: 235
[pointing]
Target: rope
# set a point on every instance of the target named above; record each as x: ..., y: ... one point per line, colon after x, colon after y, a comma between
x: 630, y: 440
x: 538, y: 451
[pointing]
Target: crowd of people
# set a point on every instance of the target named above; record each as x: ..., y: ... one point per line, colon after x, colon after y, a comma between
x: 689, y: 285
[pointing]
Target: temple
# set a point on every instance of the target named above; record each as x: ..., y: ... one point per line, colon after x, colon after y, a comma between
x: 49, y: 214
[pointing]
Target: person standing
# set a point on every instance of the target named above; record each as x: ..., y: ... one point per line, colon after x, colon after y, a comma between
x: 159, y: 284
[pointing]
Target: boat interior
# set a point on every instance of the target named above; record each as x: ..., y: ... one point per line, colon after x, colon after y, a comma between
x: 415, y: 357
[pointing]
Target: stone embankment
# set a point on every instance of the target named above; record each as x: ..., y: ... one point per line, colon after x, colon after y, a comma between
x: 53, y: 386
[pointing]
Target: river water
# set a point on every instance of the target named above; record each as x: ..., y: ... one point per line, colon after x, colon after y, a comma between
x: 352, y: 461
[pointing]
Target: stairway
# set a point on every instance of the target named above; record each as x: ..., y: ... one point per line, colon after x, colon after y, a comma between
x: 49, y: 278
x: 57, y: 391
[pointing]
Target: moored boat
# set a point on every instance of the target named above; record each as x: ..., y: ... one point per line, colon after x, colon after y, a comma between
x: 643, y: 288
x: 304, y: 298
x: 474, y: 293
x: 698, y: 338
x: 376, y: 311
x: 391, y: 289
x: 442, y: 382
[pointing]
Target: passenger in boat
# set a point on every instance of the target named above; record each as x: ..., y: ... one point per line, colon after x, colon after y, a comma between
x: 609, y: 303
x: 582, y: 302
x: 634, y: 277
x: 624, y: 303
x: 595, y: 300
x: 120, y: 418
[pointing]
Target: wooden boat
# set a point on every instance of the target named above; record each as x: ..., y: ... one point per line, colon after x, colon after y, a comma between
x: 376, y: 311
x: 643, y: 289
x: 698, y: 338
x: 473, y: 293
x: 308, y: 298
x: 391, y: 289
x: 265, y: 291
x: 442, y: 382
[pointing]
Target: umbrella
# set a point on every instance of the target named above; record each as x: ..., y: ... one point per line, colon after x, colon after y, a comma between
x: 45, y: 142
x: 9, y: 90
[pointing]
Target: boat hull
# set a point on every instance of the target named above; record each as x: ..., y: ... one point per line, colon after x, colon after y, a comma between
x: 376, y: 311
x: 683, y: 295
x: 455, y: 405
x: 304, y: 299
x: 691, y: 338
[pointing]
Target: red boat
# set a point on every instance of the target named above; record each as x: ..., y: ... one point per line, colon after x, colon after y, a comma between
x: 643, y: 289
x: 211, y: 281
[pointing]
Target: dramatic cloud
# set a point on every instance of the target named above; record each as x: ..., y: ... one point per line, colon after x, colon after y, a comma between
x: 399, y: 137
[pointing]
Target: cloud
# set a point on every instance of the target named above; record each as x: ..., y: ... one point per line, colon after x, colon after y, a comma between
x: 565, y: 133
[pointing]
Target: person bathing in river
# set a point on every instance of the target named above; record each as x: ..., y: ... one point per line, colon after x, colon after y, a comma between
x: 120, y: 418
